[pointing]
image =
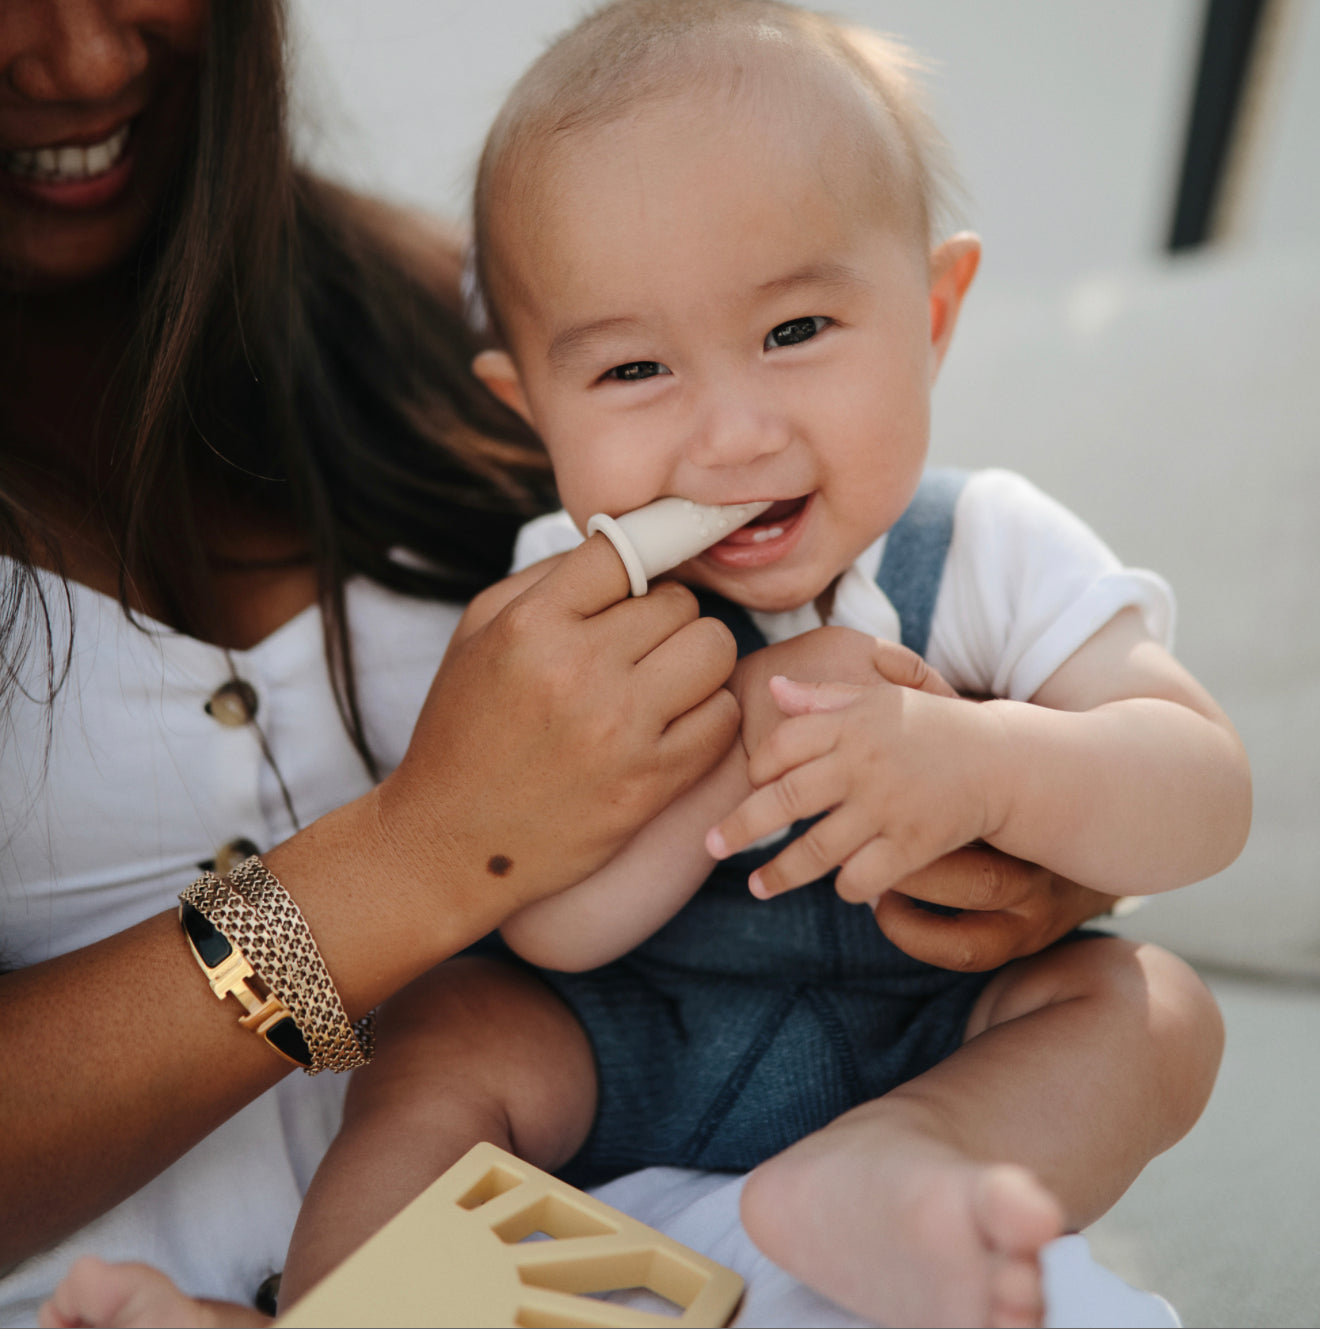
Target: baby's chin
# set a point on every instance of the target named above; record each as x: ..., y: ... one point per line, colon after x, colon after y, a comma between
x: 760, y: 591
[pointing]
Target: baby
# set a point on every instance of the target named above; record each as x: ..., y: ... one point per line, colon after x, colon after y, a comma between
x: 703, y: 230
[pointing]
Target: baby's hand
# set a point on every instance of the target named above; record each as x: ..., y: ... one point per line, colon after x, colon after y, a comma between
x: 905, y: 775
x: 831, y: 663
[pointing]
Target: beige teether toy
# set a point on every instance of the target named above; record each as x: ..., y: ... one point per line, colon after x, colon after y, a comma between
x: 466, y: 1252
x: 663, y: 534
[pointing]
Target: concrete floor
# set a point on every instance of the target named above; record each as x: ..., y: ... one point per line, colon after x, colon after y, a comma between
x: 1225, y: 1224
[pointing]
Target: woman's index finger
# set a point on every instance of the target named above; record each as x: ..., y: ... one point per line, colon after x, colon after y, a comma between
x: 586, y: 581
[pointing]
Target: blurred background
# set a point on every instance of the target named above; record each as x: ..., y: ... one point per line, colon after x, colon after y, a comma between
x: 1144, y: 342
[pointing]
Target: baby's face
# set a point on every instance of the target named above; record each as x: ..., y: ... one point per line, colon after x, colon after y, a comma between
x: 713, y: 311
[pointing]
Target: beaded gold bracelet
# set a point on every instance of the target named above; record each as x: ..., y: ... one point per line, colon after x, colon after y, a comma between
x: 270, y: 940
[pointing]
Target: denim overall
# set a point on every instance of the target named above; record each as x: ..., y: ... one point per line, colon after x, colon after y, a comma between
x: 743, y: 1025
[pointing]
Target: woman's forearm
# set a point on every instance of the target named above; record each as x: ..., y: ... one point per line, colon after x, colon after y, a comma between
x: 118, y: 1058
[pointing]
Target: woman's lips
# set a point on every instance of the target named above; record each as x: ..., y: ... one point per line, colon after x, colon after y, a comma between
x: 767, y: 539
x: 71, y: 176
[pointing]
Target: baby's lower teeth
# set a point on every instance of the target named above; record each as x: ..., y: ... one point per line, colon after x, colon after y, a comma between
x: 770, y: 533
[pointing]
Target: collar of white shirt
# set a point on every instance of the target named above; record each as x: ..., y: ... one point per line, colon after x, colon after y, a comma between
x: 858, y: 603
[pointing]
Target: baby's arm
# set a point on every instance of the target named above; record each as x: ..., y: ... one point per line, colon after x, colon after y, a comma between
x: 1121, y: 773
x: 646, y: 883
x: 658, y: 871
x: 1123, y: 769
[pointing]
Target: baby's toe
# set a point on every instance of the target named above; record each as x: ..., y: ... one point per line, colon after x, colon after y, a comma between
x: 1017, y: 1294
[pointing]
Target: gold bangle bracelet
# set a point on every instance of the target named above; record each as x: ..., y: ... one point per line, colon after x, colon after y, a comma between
x: 230, y: 975
x: 256, y: 915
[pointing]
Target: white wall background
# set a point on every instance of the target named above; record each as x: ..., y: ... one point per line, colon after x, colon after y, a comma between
x: 1066, y: 118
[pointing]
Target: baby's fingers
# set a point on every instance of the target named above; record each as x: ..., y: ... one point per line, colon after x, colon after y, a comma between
x: 814, y: 853
x: 793, y: 743
x: 880, y: 863
x: 801, y: 792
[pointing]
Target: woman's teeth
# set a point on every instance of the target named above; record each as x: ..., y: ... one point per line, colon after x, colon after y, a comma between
x: 56, y: 165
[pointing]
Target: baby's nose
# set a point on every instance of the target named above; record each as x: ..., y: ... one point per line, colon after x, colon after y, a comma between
x: 738, y: 433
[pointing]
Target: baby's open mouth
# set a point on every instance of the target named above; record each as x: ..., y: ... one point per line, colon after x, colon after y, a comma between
x: 771, y: 524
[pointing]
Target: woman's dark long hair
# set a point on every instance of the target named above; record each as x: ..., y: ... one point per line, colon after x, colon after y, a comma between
x: 287, y: 355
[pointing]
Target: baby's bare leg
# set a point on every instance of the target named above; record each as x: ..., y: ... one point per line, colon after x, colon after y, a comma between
x: 930, y: 1205
x: 476, y: 1050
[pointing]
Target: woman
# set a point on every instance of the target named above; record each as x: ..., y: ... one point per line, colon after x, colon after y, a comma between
x: 244, y: 480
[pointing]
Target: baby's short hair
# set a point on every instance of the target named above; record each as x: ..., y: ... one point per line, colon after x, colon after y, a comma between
x: 632, y: 52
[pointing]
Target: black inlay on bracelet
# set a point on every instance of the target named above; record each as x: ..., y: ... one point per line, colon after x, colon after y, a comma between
x: 287, y: 1037
x: 212, y: 944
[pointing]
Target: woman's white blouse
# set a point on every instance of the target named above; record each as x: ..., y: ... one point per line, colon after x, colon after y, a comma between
x: 111, y: 800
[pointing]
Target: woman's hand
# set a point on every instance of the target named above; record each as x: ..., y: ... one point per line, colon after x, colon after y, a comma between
x: 1006, y: 907
x: 558, y: 727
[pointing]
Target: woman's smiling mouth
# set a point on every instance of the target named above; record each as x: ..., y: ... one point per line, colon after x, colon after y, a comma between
x: 71, y: 175
x: 71, y: 162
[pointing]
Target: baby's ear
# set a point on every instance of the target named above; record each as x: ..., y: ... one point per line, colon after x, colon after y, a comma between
x: 952, y: 267
x: 500, y: 375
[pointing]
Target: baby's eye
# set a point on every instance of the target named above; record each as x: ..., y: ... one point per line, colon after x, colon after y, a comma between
x: 794, y: 331
x: 635, y: 371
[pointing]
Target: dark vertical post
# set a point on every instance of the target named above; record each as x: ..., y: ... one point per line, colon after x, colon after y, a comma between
x: 1228, y: 41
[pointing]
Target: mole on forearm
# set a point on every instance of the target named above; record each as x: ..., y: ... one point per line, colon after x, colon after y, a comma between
x: 498, y: 865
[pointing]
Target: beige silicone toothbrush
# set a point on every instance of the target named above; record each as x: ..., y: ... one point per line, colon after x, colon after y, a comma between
x: 663, y: 534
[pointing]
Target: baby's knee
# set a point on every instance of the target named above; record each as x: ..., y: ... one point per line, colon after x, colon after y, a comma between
x: 1124, y: 975
x: 1185, y: 1020
x: 489, y: 1044
x: 1141, y: 998
x: 1179, y: 1028
x: 1164, y: 994
x: 454, y: 1030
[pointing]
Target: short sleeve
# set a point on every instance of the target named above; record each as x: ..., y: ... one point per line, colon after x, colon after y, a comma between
x: 1026, y: 583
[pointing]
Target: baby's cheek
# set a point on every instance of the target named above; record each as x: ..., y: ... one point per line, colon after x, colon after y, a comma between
x: 603, y: 484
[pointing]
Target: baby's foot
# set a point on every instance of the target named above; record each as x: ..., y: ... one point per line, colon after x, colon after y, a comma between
x: 1014, y: 1217
x: 916, y: 1235
x: 134, y: 1296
